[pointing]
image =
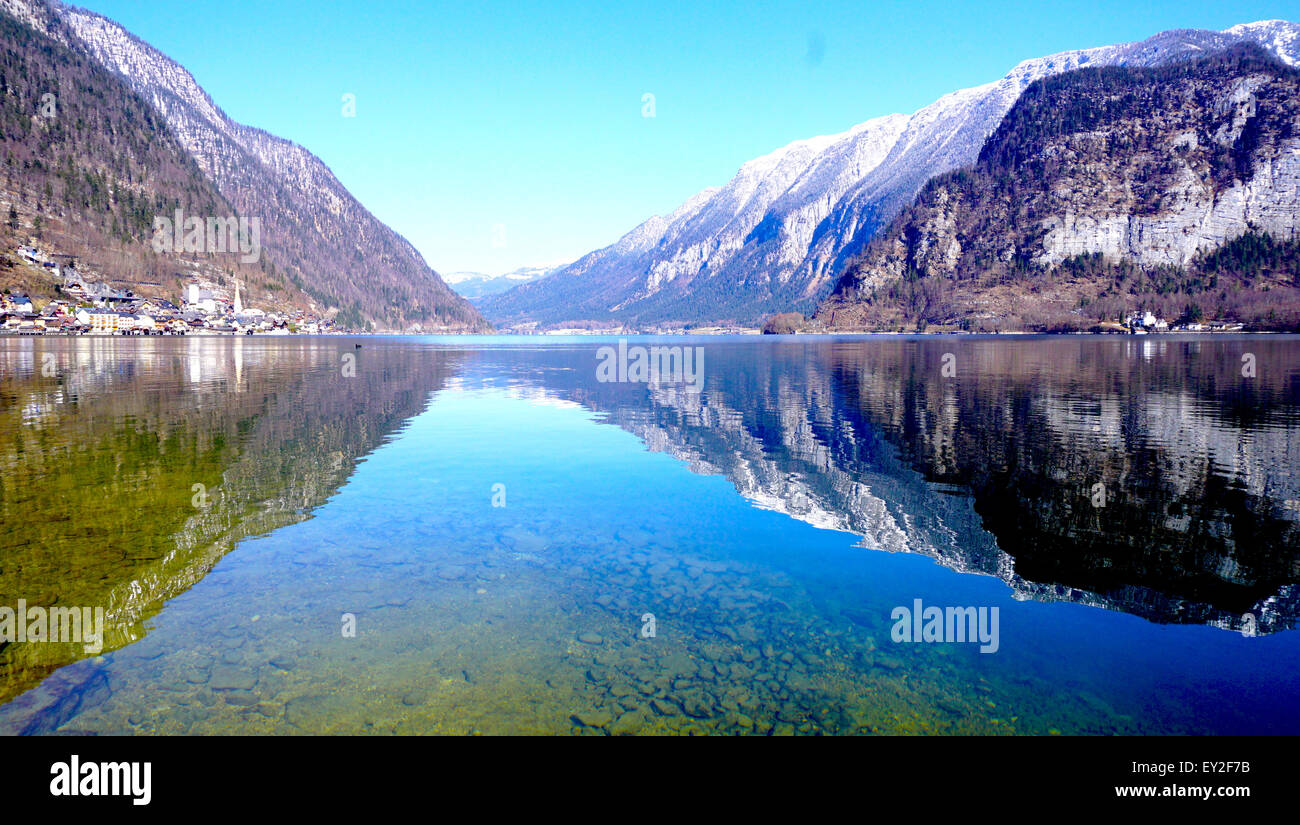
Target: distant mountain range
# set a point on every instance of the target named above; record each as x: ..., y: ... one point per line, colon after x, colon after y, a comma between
x: 319, y: 241
x: 779, y: 234
x: 476, y: 285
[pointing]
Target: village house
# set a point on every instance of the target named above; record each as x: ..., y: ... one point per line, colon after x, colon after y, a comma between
x: 105, y: 321
x: 28, y: 322
x: 19, y: 303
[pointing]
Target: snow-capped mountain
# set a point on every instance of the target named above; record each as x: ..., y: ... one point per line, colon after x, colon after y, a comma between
x: 475, y: 285
x: 313, y: 228
x: 1187, y: 173
x: 776, y: 236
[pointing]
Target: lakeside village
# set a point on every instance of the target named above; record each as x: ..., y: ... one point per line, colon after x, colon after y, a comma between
x: 90, y: 308
x: 1137, y: 323
x: 1145, y: 323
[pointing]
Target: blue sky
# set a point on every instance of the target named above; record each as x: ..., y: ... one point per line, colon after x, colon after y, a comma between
x: 498, y: 135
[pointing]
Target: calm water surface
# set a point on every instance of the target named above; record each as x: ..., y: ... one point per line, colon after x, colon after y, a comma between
x: 498, y: 523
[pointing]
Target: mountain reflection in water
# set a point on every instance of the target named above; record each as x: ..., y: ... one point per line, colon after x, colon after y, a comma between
x: 996, y: 469
x: 1149, y: 477
x: 128, y: 468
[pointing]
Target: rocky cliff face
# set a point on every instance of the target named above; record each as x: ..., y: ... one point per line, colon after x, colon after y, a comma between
x: 1110, y: 183
x: 325, y: 242
x: 778, y: 234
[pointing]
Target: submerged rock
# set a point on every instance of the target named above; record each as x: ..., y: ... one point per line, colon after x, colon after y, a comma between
x: 633, y: 537
x: 241, y: 698
x: 225, y: 677
x: 318, y: 712
x: 284, y: 662
x: 593, y: 718
x: 663, y: 707
x: 628, y: 724
x: 697, y: 706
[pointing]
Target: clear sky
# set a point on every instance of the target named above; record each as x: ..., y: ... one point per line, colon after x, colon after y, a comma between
x: 498, y: 135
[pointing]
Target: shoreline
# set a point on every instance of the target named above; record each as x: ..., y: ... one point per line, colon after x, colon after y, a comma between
x: 341, y: 334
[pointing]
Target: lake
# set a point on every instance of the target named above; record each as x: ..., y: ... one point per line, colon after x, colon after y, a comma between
x: 578, y: 535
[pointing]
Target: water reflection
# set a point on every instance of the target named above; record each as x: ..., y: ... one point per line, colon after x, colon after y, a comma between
x: 1151, y: 477
x: 363, y: 480
x: 129, y: 468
